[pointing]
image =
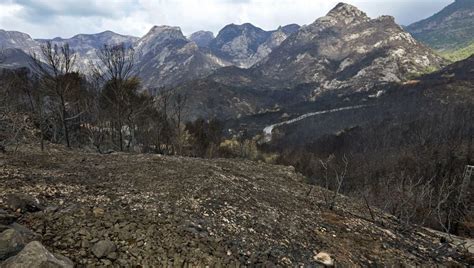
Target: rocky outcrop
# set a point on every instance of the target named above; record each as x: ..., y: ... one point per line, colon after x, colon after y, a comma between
x: 244, y: 45
x: 347, y: 49
x: 451, y: 28
x: 237, y: 43
x: 18, y: 40
x: 276, y: 38
x: 166, y: 58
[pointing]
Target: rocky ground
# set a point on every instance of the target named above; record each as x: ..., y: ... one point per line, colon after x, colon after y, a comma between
x: 152, y: 210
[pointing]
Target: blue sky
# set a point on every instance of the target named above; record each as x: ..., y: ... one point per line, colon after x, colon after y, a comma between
x: 65, y: 18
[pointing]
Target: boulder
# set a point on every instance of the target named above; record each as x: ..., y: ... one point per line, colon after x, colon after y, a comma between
x: 11, y: 242
x: 35, y: 255
x: 26, y: 233
x: 22, y: 203
x: 103, y: 248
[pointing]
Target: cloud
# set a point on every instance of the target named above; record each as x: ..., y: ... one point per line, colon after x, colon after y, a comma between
x: 51, y: 18
x: 39, y: 10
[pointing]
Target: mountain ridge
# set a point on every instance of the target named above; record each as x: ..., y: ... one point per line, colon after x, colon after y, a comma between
x: 449, y: 29
x: 202, y: 59
x: 345, y: 51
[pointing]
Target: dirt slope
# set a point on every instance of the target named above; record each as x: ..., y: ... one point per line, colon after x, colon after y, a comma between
x: 161, y: 211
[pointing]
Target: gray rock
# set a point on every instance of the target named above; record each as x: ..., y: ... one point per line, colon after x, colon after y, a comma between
x: 22, y: 203
x: 11, y: 242
x: 35, y: 255
x: 112, y: 256
x: 166, y: 58
x: 103, y: 248
x: 26, y: 233
x: 106, y: 262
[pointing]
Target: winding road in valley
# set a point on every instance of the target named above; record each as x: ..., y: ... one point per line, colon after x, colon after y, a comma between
x: 269, y: 129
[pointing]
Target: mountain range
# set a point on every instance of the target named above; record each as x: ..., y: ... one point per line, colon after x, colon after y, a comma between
x: 343, y: 51
x: 245, y: 70
x: 165, y: 57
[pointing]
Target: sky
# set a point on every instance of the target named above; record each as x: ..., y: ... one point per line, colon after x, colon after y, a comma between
x: 66, y: 18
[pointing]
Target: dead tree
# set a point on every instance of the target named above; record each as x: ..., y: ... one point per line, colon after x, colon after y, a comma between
x: 114, y: 69
x: 55, y: 67
x: 334, y: 178
x: 179, y: 104
x: 164, y: 135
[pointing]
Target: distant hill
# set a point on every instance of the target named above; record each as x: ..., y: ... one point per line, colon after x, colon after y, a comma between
x: 450, y: 29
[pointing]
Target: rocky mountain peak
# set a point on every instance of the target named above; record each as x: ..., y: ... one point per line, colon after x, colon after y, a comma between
x: 105, y: 34
x: 238, y: 43
x: 159, y: 36
x: 14, y: 39
x: 347, y: 12
x: 166, y: 58
x: 164, y: 33
x: 346, y: 49
x: 202, y: 38
x: 289, y: 29
x: 14, y: 34
x: 231, y: 31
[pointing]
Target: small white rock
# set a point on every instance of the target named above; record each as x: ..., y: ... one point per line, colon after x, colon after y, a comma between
x: 324, y: 258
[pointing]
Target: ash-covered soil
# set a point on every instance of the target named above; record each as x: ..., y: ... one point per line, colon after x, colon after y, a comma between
x: 172, y: 211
